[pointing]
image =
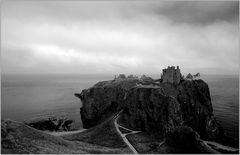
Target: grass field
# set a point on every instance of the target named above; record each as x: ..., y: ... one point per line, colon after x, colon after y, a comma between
x: 104, y: 135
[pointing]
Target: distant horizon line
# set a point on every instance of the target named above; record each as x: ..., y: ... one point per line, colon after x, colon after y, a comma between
x: 6, y: 74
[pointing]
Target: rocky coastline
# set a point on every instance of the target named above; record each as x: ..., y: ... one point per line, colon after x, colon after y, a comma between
x: 171, y: 114
x: 156, y: 108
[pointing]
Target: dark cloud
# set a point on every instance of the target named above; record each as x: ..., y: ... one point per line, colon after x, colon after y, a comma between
x: 123, y: 36
x: 200, y: 12
x: 192, y: 12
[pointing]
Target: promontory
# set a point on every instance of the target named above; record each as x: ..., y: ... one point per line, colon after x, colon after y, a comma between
x: 128, y: 114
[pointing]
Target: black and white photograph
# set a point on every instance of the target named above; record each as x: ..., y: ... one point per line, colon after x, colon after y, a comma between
x: 119, y: 77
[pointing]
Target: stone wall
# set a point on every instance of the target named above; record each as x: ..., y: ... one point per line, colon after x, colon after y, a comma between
x: 171, y: 75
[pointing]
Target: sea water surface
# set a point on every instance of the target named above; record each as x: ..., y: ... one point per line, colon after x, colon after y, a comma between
x: 29, y: 97
x: 224, y: 91
x: 25, y: 97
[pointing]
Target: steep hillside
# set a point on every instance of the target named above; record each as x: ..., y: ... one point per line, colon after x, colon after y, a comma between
x: 18, y: 138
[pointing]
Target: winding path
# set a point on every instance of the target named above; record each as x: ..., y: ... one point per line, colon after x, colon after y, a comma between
x: 124, y: 135
x: 63, y: 133
x: 220, y: 146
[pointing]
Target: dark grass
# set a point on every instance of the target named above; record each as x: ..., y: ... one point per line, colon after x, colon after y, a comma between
x: 104, y: 134
x: 18, y: 138
x: 145, y: 143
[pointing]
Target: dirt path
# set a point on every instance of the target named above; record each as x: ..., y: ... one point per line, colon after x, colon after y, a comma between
x: 220, y: 146
x: 124, y: 135
x: 65, y: 132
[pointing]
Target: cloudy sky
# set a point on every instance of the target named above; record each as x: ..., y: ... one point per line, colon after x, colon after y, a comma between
x: 119, y: 37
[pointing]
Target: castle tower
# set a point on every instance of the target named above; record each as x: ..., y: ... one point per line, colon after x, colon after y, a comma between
x: 171, y: 75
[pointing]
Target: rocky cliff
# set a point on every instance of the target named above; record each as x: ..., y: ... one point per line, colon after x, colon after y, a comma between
x: 196, y: 107
x: 151, y: 110
x: 103, y: 99
x: 154, y: 108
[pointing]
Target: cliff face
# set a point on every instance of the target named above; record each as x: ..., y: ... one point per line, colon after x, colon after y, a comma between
x: 196, y: 106
x: 102, y: 100
x: 152, y: 108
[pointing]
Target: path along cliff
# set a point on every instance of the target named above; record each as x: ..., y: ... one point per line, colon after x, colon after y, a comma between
x: 123, y: 135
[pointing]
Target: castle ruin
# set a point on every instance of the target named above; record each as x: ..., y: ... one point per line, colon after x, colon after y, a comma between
x: 171, y: 75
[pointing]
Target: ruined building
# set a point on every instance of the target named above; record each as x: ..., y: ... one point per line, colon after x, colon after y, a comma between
x: 171, y: 75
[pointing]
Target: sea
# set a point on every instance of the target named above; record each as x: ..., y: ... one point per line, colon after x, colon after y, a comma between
x: 26, y: 97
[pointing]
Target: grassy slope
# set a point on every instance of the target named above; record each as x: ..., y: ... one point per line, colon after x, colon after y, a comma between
x: 144, y: 143
x: 20, y: 138
x: 104, y: 135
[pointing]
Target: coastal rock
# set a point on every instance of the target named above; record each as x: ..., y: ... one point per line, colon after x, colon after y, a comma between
x: 151, y: 110
x: 196, y: 107
x: 197, y: 112
x: 185, y: 140
x: 51, y: 124
x: 154, y: 108
x: 103, y: 99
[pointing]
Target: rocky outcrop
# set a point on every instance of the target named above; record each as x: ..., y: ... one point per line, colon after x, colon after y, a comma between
x: 103, y: 99
x: 154, y: 108
x: 163, y: 108
x: 184, y: 140
x: 151, y: 110
x: 51, y: 124
x: 196, y: 106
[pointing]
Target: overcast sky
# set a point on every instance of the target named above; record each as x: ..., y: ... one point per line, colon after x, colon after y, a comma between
x: 119, y: 37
